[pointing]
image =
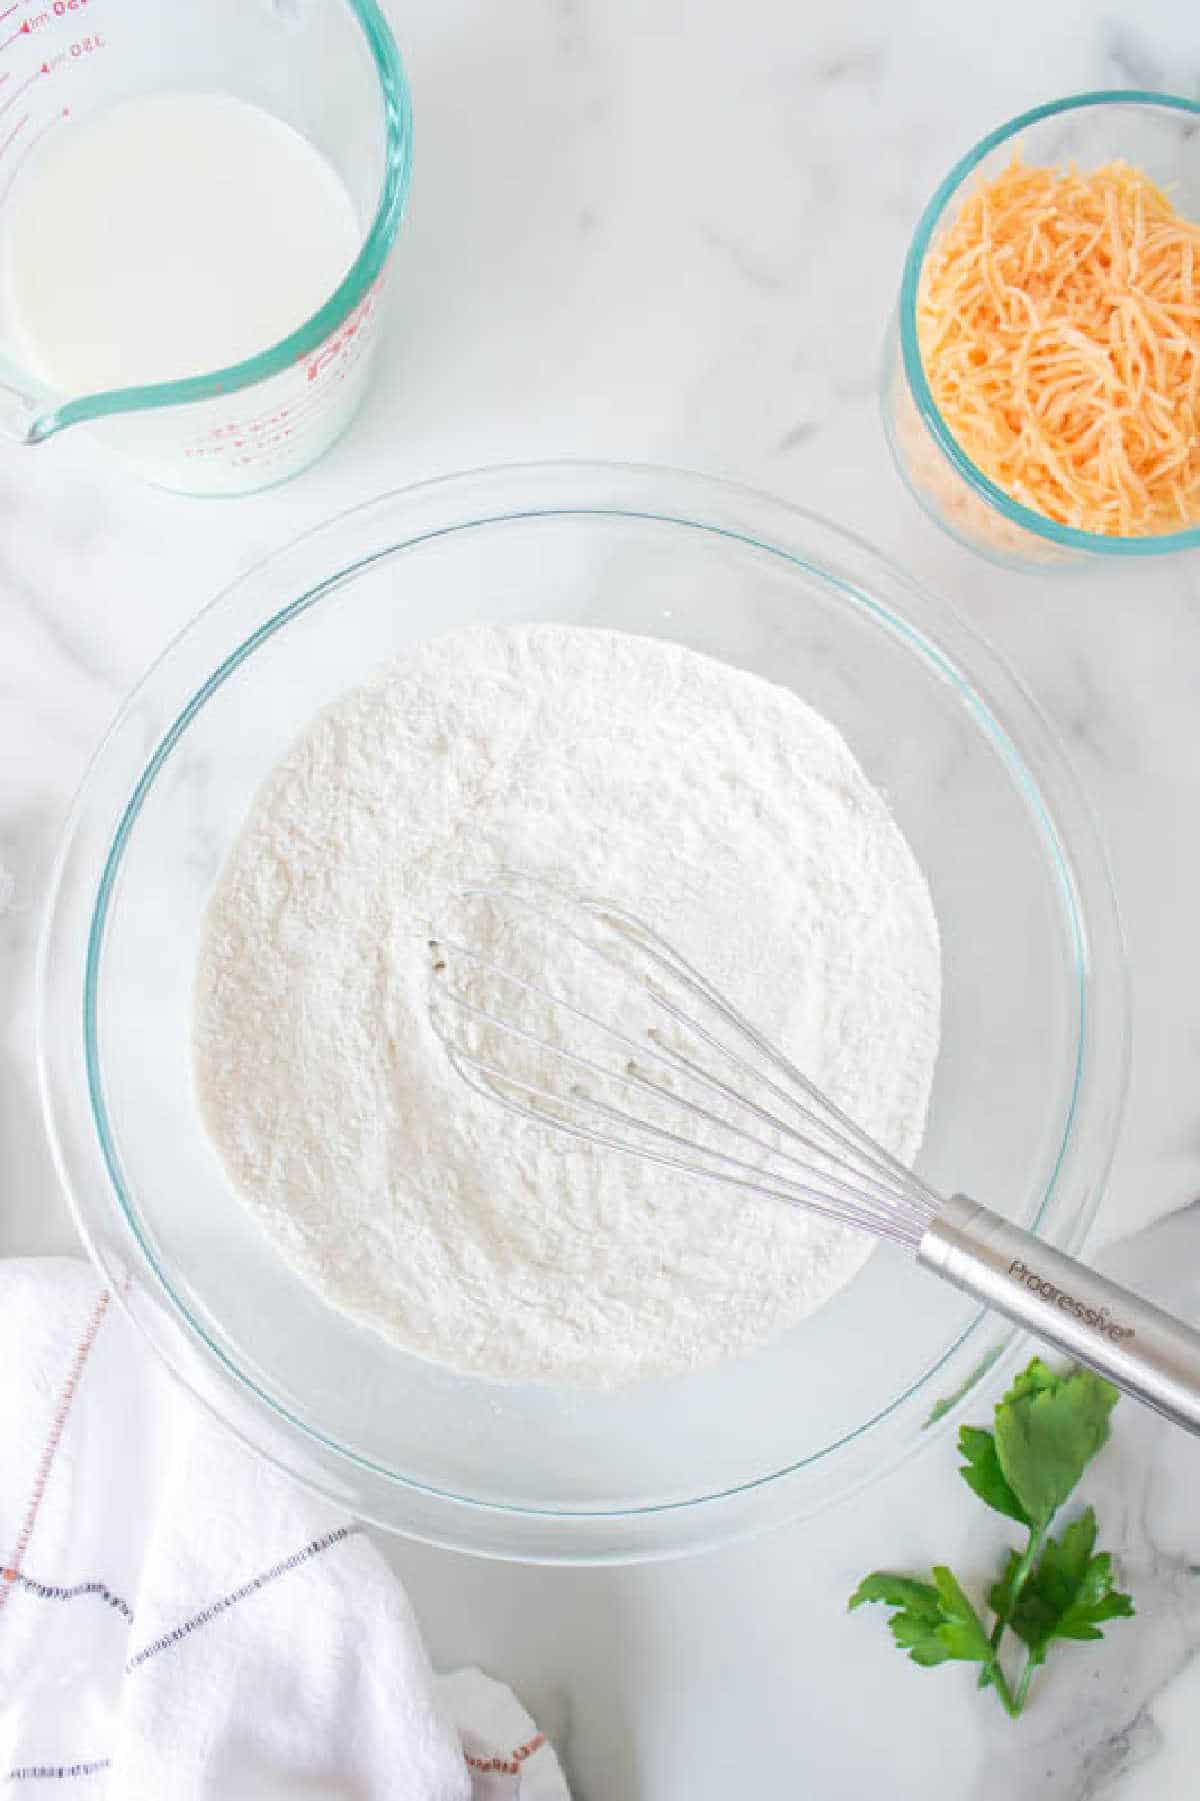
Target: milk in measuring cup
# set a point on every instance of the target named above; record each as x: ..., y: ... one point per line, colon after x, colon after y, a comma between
x: 168, y: 236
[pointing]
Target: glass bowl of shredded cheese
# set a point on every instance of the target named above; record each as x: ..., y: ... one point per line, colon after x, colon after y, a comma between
x: 1041, y: 389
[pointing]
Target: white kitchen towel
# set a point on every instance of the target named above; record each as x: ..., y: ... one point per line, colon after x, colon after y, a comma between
x: 181, y: 1622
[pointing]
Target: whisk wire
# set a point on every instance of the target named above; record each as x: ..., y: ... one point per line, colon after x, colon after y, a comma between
x: 476, y: 1076
x: 632, y: 1075
x: 845, y: 1135
x: 842, y: 1131
x: 843, y: 1174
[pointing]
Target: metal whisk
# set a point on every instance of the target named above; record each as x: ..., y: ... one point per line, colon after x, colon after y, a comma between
x: 638, y: 1053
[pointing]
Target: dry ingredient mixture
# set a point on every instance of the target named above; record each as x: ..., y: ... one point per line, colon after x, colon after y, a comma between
x: 715, y: 805
x: 1059, y: 325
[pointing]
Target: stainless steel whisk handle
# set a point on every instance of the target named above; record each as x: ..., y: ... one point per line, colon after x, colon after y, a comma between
x: 1143, y: 1350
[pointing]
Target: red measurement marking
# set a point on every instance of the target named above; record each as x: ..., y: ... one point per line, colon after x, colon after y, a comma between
x: 333, y: 347
x: 85, y: 46
x: 9, y: 10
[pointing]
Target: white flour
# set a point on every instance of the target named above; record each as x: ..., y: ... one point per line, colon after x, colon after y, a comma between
x: 718, y: 807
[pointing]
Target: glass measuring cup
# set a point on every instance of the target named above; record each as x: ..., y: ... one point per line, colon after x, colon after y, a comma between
x: 328, y: 68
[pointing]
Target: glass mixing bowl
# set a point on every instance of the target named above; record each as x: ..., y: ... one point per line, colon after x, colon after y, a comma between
x: 1158, y: 134
x: 1028, y: 1089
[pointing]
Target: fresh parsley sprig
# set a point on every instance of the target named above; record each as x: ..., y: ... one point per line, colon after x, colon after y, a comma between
x: 1048, y: 1427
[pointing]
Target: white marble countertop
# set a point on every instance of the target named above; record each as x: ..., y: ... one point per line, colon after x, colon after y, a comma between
x: 657, y: 230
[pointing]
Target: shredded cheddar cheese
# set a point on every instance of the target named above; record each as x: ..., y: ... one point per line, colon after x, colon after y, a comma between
x: 1059, y: 324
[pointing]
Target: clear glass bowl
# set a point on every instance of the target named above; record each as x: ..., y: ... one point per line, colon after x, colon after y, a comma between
x: 1157, y: 133
x: 1028, y: 1091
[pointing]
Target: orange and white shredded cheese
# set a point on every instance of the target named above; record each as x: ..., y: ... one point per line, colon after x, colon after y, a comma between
x: 1059, y: 324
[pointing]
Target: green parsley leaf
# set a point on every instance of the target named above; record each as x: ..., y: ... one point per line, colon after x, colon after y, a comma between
x: 1047, y: 1429
x: 936, y: 1622
x: 1001, y: 1592
x: 920, y: 1598
x: 1035, y: 1377
x: 982, y: 1472
x: 1047, y: 1432
x: 962, y: 1630
x: 1070, y: 1593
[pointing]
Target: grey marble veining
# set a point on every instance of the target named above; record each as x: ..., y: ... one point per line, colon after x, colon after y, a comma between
x: 654, y: 230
